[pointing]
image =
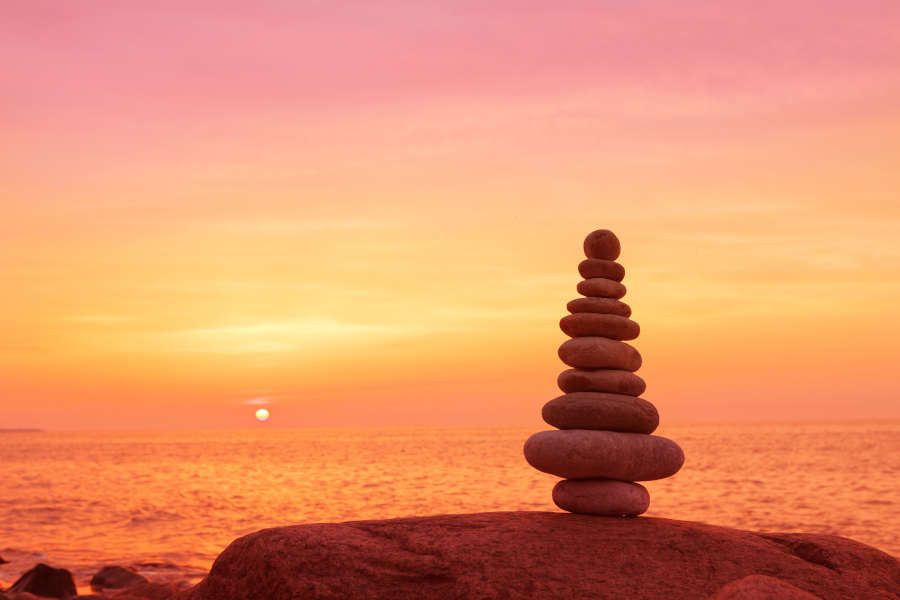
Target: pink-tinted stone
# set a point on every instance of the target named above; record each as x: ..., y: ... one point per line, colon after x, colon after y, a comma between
x: 606, y: 306
x: 601, y: 288
x: 599, y: 353
x: 614, y: 327
x: 601, y: 497
x: 613, y: 381
x: 595, y: 410
x: 762, y: 587
x: 597, y: 267
x: 602, y: 243
x: 584, y: 454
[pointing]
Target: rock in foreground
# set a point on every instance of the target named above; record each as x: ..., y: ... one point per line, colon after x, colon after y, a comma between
x: 537, y: 555
x: 115, y: 577
x: 46, y: 581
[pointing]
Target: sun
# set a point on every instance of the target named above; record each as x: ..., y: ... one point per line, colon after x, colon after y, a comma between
x: 262, y: 414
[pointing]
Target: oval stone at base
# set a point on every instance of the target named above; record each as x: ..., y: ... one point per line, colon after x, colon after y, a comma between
x: 586, y: 454
x: 601, y: 497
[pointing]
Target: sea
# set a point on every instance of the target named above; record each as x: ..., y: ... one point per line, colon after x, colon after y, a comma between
x: 167, y: 503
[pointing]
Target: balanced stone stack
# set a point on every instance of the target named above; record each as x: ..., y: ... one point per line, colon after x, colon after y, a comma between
x: 603, y: 443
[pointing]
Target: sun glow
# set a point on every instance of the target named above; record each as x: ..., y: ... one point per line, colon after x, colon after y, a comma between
x: 262, y: 414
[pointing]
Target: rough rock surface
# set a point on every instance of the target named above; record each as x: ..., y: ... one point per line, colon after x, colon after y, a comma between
x: 595, y: 410
x: 114, y: 577
x: 585, y: 454
x: 606, y: 306
x: 148, y: 590
x: 536, y: 555
x: 762, y: 587
x: 613, y: 381
x: 44, y: 580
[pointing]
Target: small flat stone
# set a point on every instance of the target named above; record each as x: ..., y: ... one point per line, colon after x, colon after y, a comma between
x: 613, y: 381
x: 601, y: 497
x: 597, y: 267
x: 602, y: 243
x: 606, y: 306
x: 598, y: 287
x: 584, y: 454
x: 596, y: 410
x: 614, y: 327
x: 599, y: 353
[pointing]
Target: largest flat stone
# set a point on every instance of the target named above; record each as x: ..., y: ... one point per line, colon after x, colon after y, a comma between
x: 536, y: 555
x: 584, y: 454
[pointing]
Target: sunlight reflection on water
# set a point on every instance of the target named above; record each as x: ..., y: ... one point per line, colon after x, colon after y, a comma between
x: 176, y: 499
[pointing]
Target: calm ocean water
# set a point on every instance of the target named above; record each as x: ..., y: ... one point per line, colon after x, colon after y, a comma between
x: 170, y: 502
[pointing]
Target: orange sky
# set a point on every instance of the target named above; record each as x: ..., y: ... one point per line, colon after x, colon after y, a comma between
x: 372, y: 213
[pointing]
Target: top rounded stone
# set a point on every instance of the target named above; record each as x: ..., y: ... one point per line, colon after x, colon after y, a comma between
x: 603, y: 244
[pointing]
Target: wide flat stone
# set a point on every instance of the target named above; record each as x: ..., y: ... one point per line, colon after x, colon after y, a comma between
x: 601, y: 497
x: 584, y: 454
x: 601, y: 288
x: 607, y: 306
x: 594, y: 410
x: 613, y: 381
x: 599, y: 353
x: 602, y: 243
x: 614, y: 327
x: 597, y: 267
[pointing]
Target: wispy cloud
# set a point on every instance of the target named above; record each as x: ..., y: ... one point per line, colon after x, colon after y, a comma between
x: 260, y: 401
x: 292, y: 225
x: 289, y: 335
x: 100, y: 319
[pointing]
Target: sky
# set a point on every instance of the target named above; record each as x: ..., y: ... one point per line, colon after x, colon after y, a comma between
x: 371, y: 213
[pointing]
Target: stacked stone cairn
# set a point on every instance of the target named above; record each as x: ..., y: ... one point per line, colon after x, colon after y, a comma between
x: 603, y: 443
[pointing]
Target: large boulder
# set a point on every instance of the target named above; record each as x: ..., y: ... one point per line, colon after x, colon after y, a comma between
x: 44, y: 580
x: 537, y: 555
